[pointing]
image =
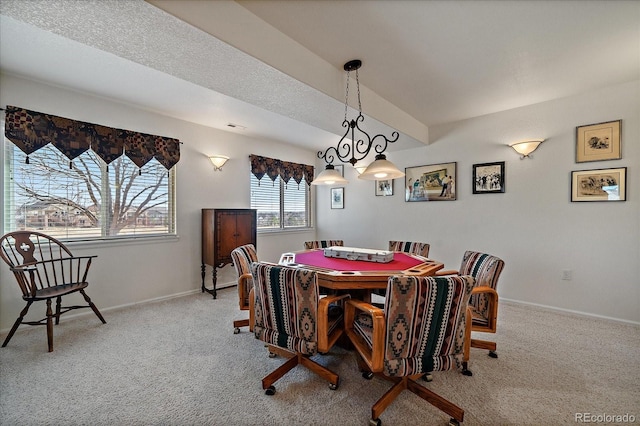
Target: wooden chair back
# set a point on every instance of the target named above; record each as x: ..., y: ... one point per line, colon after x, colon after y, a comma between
x: 45, y: 269
x: 39, y: 261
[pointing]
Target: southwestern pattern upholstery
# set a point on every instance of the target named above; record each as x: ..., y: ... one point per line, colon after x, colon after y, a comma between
x: 421, y: 249
x: 486, y: 270
x: 243, y: 257
x: 309, y: 245
x: 411, y: 247
x: 289, y: 314
x: 421, y: 329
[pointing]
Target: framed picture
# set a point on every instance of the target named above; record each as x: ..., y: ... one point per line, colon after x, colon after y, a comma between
x: 337, y: 198
x: 384, y: 187
x: 488, y: 178
x: 340, y: 169
x: 599, y: 185
x: 434, y: 182
x: 597, y: 142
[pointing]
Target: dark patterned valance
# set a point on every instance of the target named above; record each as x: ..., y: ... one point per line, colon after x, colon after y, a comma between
x: 273, y: 168
x: 31, y: 130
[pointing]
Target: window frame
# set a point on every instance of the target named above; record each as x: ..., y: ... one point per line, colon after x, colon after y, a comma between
x: 9, y: 223
x: 281, y: 185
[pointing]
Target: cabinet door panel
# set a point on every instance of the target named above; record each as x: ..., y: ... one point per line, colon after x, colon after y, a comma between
x: 227, y: 231
x: 246, y: 228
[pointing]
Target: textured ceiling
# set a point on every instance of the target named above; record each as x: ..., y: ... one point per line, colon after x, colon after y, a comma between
x: 275, y: 67
x: 443, y: 61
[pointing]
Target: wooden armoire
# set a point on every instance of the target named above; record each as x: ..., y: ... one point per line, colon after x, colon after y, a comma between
x: 222, y: 231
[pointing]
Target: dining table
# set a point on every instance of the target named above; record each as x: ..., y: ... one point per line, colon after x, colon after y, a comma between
x: 359, y: 277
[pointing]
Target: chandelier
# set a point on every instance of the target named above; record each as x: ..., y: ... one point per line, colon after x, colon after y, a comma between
x: 356, y: 144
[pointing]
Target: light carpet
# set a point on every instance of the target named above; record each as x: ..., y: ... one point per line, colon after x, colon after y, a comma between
x: 177, y: 362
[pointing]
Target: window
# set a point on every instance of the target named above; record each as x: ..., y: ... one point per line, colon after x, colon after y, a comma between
x: 280, y: 205
x: 86, y: 199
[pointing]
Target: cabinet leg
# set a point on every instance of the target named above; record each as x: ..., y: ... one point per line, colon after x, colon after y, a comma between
x: 214, y: 278
x: 202, y: 273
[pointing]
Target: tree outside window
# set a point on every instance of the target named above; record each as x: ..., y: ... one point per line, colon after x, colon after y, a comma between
x: 85, y: 198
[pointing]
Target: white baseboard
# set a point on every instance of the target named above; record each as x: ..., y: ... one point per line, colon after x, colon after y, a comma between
x: 569, y: 311
x: 88, y: 312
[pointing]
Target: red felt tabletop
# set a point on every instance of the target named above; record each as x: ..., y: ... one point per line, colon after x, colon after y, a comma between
x: 400, y: 262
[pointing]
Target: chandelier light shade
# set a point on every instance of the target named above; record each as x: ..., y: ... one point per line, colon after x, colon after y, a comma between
x: 356, y: 143
x: 329, y: 176
x: 525, y: 148
x: 218, y: 161
x: 360, y: 167
x: 381, y: 168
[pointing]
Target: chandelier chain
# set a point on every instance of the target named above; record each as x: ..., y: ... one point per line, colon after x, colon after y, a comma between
x: 346, y: 98
x: 358, y: 86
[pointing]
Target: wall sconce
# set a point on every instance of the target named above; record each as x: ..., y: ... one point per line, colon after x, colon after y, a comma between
x: 218, y: 161
x: 525, y: 148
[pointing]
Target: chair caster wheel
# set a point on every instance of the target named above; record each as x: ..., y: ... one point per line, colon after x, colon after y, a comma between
x: 236, y: 330
x: 375, y: 422
x: 272, y: 355
x: 427, y: 377
x: 333, y: 386
x: 454, y: 422
x: 367, y: 375
x: 271, y: 390
x: 466, y: 372
x: 492, y: 354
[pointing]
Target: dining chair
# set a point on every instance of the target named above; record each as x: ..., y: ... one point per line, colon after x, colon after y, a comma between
x: 243, y: 257
x: 309, y: 245
x: 421, y: 329
x: 486, y: 270
x: 291, y: 316
x: 412, y: 247
x: 45, y: 269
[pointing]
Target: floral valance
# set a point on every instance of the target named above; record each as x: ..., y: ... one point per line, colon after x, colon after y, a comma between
x: 31, y: 130
x: 273, y: 168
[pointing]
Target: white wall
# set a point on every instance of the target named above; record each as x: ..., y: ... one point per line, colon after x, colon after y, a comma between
x: 533, y: 226
x: 127, y: 273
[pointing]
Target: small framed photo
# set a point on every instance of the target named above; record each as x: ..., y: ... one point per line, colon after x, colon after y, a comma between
x: 434, y: 182
x: 598, y: 142
x: 384, y: 187
x: 488, y: 178
x: 337, y: 198
x: 340, y: 169
x: 599, y: 185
